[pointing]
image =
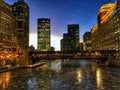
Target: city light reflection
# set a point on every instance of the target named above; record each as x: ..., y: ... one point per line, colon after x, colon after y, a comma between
x: 56, y: 65
x: 79, y: 75
x: 99, y: 78
x: 5, y: 80
x: 44, y: 67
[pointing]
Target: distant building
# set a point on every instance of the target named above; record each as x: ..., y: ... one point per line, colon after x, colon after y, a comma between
x: 52, y: 49
x: 21, y: 13
x: 31, y: 48
x: 73, y: 34
x: 70, y: 41
x: 65, y: 43
x: 81, y: 46
x: 43, y: 34
x: 61, y: 45
x: 8, y: 34
x: 87, y: 41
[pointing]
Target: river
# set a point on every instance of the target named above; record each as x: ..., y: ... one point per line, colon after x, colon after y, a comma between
x: 65, y: 74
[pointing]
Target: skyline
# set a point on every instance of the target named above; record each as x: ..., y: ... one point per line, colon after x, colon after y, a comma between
x: 71, y: 12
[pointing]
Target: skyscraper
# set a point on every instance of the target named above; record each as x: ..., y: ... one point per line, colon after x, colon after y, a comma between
x: 103, y: 35
x: 73, y: 36
x: 65, y: 42
x: 87, y: 41
x: 43, y: 34
x: 70, y: 41
x: 21, y: 13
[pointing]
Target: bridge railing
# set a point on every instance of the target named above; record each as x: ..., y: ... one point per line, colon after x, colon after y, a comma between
x: 55, y: 54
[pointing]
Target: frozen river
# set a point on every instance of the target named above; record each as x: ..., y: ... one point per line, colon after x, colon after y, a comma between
x: 67, y: 74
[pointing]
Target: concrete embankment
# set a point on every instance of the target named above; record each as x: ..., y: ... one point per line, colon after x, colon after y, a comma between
x: 8, y: 68
x: 33, y: 65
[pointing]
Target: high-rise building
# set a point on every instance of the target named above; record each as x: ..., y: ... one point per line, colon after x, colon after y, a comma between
x: 103, y: 33
x: 70, y: 41
x: 21, y: 13
x: 81, y: 46
x: 87, y: 41
x: 43, y: 34
x: 65, y: 42
x: 73, y: 36
x: 7, y: 27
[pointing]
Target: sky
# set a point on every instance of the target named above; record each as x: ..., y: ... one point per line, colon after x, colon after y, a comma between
x: 61, y: 13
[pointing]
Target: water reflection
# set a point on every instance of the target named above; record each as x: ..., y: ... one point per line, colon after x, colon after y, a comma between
x: 32, y: 83
x: 99, y: 78
x: 79, y: 75
x: 56, y: 65
x: 5, y: 80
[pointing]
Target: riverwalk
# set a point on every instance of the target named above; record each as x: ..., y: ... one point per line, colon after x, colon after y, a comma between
x: 8, y: 67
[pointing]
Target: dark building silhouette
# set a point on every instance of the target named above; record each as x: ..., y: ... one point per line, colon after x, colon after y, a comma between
x: 65, y: 43
x: 87, y: 41
x: 81, y: 46
x: 31, y: 48
x: 73, y: 34
x: 52, y: 49
x: 21, y: 13
x: 70, y: 41
x: 43, y: 34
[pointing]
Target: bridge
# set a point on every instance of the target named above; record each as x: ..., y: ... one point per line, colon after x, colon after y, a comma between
x: 42, y: 55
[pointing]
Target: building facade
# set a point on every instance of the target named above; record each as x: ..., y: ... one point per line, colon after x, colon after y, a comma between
x: 102, y: 34
x: 95, y: 37
x: 65, y: 42
x: 87, y: 41
x: 70, y: 41
x: 8, y: 34
x: 73, y: 34
x: 43, y: 34
x: 21, y: 13
x: 117, y: 28
x: 81, y: 46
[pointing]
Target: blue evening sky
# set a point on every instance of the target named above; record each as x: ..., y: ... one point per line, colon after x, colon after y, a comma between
x: 62, y: 13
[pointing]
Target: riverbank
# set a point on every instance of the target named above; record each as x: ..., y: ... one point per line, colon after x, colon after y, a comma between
x: 8, y: 67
